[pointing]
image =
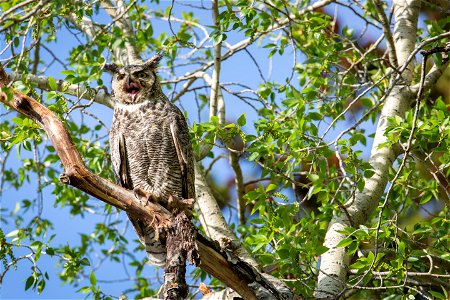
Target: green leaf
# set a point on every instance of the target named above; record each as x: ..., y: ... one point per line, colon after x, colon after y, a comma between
x: 437, y: 295
x: 345, y: 242
x: 92, y: 279
x: 85, y: 290
x: 68, y: 72
x: 30, y: 281
x: 321, y: 249
x: 18, y: 121
x: 253, y: 156
x: 313, y: 177
x: 283, y: 253
x: 52, y: 83
x: 271, y: 187
x: 358, y: 265
x: 368, y: 173
x: 85, y: 262
x: 315, y: 116
x: 41, y: 286
x: 241, y: 120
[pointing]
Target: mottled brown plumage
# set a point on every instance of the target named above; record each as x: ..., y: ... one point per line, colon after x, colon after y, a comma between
x: 150, y: 146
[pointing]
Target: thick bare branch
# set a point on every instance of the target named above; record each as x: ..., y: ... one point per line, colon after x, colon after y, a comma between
x: 131, y: 55
x: 85, y: 25
x: 212, y: 220
x: 405, y: 32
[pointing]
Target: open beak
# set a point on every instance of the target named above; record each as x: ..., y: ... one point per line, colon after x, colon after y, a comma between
x: 132, y: 88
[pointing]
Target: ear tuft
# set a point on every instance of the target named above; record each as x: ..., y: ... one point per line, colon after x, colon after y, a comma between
x: 112, y: 68
x: 154, y: 61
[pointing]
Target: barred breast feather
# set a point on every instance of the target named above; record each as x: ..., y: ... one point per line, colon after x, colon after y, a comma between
x: 151, y: 151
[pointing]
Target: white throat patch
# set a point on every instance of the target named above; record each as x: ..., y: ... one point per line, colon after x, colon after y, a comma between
x: 130, y: 107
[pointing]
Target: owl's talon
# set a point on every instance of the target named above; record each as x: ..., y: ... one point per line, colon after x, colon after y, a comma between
x: 140, y: 193
x: 175, y: 203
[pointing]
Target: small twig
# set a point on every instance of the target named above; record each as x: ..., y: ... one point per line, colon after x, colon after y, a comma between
x: 234, y: 162
x: 387, y: 33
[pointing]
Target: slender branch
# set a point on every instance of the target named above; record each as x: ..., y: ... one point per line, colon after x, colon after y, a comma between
x: 16, y: 7
x: 247, y: 42
x: 89, y: 27
x: 387, y: 33
x: 216, y: 104
x: 435, y: 72
x: 98, y: 95
x: 234, y: 162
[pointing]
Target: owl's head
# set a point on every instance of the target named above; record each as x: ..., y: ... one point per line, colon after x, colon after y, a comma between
x: 134, y: 83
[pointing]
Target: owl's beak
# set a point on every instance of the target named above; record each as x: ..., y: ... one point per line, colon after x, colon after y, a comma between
x: 132, y: 88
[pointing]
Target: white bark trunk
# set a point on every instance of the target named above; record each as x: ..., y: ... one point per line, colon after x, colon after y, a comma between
x: 213, y: 222
x: 334, y: 263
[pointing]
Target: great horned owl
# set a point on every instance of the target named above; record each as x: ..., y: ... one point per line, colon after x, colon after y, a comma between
x: 150, y: 146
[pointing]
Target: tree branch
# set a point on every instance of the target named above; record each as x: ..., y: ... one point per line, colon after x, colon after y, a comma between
x: 433, y: 74
x: 216, y: 104
x: 234, y: 162
x: 213, y: 222
x: 387, y: 33
x: 247, y: 42
x: 98, y: 95
x: 131, y: 55
x: 85, y: 25
x: 405, y: 32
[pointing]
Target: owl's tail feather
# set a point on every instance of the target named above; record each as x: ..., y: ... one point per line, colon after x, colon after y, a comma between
x: 154, y: 242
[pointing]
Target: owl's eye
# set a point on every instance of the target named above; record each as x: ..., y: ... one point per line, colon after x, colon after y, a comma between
x: 142, y: 75
x: 120, y: 76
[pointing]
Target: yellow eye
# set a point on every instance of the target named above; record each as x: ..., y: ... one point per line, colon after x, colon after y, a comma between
x: 142, y: 75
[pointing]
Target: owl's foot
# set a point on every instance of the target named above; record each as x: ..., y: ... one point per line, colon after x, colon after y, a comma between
x: 175, y: 203
x: 140, y: 193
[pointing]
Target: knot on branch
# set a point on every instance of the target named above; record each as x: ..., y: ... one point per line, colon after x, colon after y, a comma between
x: 64, y: 178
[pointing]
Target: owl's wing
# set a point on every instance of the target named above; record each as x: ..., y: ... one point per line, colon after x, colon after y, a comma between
x: 180, y: 136
x: 156, y: 251
x: 119, y: 156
